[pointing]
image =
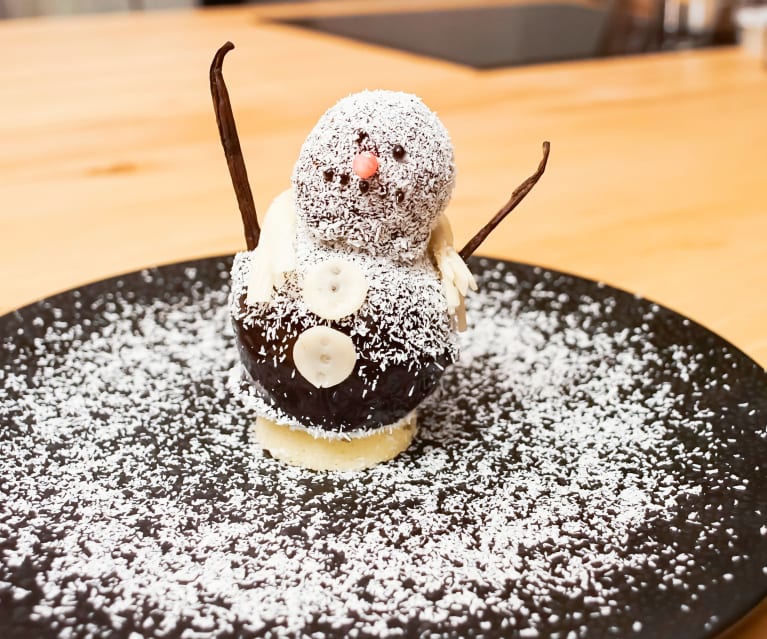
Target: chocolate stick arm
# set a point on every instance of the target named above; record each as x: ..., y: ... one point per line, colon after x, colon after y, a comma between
x: 231, y: 143
x: 516, y: 197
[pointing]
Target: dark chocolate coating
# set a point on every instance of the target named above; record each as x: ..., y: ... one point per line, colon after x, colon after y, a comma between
x: 351, y: 405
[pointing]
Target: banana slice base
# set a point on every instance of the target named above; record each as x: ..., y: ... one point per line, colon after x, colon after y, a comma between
x: 299, y: 448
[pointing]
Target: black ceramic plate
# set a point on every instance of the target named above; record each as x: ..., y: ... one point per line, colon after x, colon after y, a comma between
x: 591, y: 468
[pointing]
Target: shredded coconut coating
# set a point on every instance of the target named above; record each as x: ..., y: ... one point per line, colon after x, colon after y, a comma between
x: 394, y: 217
x: 406, y: 306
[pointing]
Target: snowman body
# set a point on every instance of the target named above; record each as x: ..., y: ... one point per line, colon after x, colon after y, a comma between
x: 401, y: 336
x: 341, y: 314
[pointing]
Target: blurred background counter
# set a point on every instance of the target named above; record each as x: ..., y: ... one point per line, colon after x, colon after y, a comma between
x: 111, y: 161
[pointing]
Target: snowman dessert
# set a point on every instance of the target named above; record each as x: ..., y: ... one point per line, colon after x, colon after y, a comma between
x: 347, y: 304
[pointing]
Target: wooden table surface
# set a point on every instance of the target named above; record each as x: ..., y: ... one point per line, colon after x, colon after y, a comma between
x: 110, y: 159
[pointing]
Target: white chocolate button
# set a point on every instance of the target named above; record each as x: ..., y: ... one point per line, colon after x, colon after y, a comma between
x: 324, y: 356
x: 334, y: 288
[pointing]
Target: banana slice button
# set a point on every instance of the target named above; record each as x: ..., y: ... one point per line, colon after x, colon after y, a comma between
x: 324, y: 356
x: 334, y: 288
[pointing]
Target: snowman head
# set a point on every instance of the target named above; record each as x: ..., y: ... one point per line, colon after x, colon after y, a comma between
x: 374, y: 175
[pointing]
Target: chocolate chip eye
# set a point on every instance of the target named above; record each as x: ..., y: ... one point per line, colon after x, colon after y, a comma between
x: 361, y: 136
x: 327, y: 174
x: 400, y: 196
x: 398, y: 152
x: 344, y: 179
x: 364, y: 186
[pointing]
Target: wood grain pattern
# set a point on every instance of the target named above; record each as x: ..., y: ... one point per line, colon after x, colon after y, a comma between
x: 110, y: 159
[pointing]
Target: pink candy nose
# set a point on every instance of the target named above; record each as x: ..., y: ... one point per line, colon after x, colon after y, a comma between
x: 365, y: 164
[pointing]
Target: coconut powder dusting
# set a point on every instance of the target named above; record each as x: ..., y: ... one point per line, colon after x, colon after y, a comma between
x: 560, y: 475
